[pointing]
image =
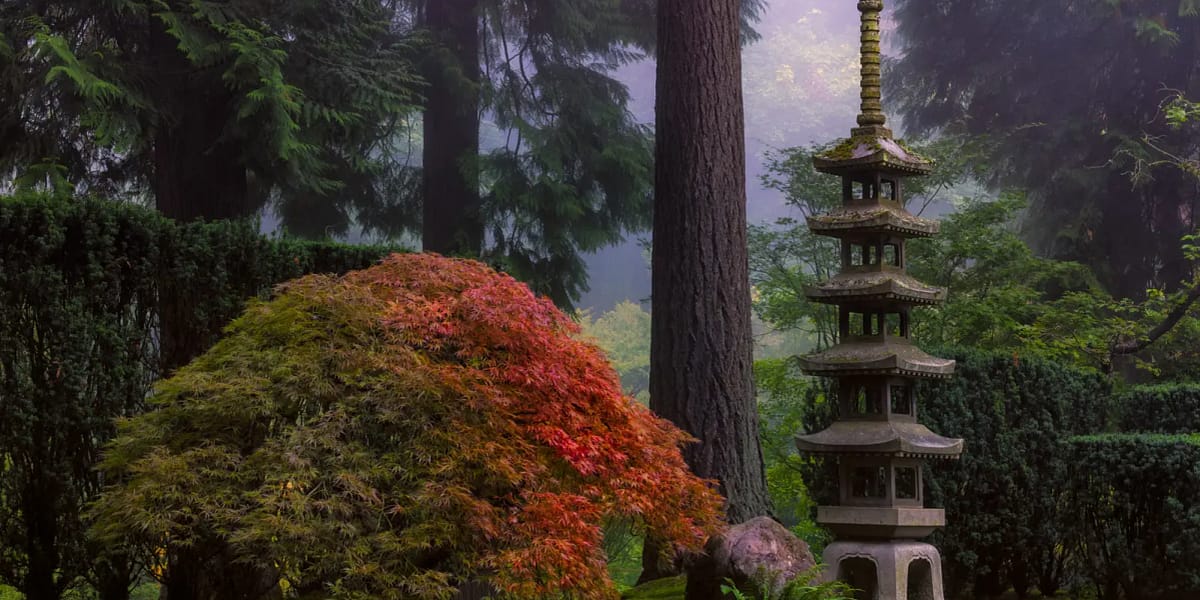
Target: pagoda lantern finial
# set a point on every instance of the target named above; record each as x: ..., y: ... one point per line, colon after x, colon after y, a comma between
x: 872, y: 101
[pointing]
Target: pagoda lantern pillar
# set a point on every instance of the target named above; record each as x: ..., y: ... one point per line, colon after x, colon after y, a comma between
x: 877, y: 440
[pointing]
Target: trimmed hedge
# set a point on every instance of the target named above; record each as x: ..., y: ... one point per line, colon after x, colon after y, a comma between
x: 1005, y: 499
x: 1043, y: 497
x: 96, y: 299
x: 1172, y: 408
x: 1134, y: 505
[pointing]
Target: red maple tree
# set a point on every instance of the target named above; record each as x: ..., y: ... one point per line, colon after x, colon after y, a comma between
x: 400, y: 431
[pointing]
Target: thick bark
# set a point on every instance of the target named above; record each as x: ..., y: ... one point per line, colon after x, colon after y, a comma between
x: 701, y: 348
x: 198, y: 170
x: 198, y: 174
x: 451, y: 221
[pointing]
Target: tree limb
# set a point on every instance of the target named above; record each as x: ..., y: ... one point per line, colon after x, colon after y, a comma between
x: 1127, y: 346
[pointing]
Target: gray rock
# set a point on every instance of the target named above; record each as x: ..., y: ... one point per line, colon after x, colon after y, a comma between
x: 748, y: 553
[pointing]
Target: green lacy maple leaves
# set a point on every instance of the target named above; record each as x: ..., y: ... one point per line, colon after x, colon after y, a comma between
x: 397, y: 432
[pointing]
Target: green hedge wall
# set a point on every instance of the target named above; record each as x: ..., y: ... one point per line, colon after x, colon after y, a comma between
x: 1161, y: 409
x: 1134, y: 505
x: 1004, y: 499
x: 96, y: 300
x: 1043, y: 498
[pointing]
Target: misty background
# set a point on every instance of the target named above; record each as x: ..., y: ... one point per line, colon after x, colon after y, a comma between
x: 800, y: 82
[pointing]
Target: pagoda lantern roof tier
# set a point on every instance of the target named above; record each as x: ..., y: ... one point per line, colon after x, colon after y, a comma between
x: 871, y: 149
x: 895, y: 439
x: 856, y: 219
x: 875, y: 356
x: 875, y: 287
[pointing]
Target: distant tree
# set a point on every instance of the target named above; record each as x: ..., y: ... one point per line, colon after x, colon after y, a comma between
x: 453, y: 224
x: 701, y: 365
x: 571, y: 170
x: 624, y: 335
x: 573, y: 173
x: 1060, y: 87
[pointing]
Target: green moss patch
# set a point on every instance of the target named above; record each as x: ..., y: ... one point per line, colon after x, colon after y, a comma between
x: 671, y: 588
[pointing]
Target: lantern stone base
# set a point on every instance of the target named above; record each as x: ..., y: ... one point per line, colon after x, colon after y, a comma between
x: 892, y: 570
x: 881, y: 522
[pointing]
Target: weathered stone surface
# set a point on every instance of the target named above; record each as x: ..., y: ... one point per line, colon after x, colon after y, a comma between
x: 745, y: 553
x: 886, y: 570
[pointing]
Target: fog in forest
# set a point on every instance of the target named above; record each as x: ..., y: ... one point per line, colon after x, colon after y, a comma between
x: 801, y: 86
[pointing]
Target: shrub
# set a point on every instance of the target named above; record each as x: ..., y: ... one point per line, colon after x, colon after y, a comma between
x: 1161, y: 409
x: 1006, y: 499
x: 396, y: 433
x: 88, y: 291
x: 1133, y: 503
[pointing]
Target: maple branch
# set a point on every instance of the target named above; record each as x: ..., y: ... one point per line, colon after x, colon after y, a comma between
x: 1133, y: 346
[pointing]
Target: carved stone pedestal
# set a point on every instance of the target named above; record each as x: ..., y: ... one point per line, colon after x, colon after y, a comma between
x: 886, y: 570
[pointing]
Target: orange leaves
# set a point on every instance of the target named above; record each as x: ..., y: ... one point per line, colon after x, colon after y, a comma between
x: 487, y: 336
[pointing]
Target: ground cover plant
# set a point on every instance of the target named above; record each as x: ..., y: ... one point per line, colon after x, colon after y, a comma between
x: 396, y: 433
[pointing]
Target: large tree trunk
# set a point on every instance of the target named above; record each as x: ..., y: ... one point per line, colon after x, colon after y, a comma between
x: 701, y: 348
x: 41, y: 551
x: 198, y: 174
x: 198, y: 171
x: 451, y: 222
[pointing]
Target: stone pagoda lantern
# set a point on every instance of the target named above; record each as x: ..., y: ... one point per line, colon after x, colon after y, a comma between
x: 876, y: 439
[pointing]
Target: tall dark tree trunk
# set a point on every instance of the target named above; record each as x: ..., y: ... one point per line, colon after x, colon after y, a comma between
x: 701, y: 352
x: 41, y: 546
x: 198, y: 174
x: 451, y: 222
x: 199, y: 171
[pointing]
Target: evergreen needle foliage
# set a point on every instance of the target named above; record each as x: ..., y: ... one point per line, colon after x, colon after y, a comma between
x: 1068, y: 92
x: 247, y: 101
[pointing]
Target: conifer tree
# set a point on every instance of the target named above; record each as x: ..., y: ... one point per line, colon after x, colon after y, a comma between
x: 210, y: 108
x: 574, y: 172
x: 1067, y: 91
x: 701, y: 364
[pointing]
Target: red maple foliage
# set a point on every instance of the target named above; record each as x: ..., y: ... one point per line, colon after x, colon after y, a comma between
x: 488, y: 335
